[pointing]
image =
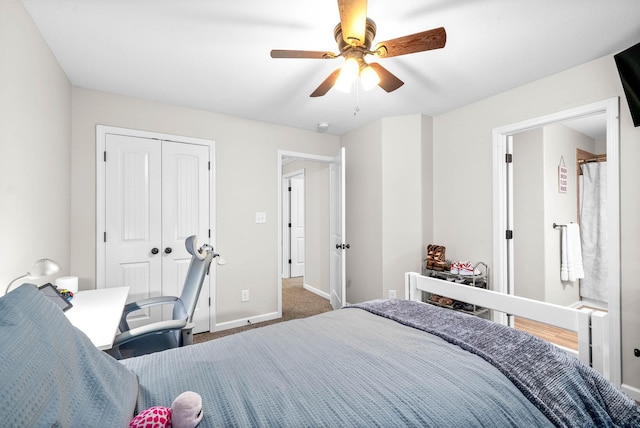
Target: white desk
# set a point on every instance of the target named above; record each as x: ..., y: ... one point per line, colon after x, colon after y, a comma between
x: 97, y: 313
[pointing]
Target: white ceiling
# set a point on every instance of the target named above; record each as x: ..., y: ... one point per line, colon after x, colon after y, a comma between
x: 214, y: 55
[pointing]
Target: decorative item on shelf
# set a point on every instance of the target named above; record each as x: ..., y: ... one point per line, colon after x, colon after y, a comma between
x: 67, y: 294
x: 67, y: 283
x: 435, y: 257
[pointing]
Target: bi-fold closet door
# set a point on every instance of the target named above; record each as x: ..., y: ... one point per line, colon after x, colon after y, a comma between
x: 156, y: 195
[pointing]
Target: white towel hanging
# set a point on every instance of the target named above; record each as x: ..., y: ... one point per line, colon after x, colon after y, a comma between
x: 564, y: 270
x: 571, y: 257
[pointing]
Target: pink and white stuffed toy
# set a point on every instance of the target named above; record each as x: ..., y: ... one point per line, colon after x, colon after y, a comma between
x: 185, y: 412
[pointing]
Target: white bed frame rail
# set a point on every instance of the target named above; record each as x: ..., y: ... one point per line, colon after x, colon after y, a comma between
x: 591, y: 326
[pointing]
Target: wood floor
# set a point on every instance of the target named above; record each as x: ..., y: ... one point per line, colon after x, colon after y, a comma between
x: 558, y: 336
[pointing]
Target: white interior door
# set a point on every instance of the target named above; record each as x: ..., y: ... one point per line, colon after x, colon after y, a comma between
x: 133, y: 220
x: 157, y: 194
x: 185, y: 212
x: 297, y: 225
x: 338, y: 271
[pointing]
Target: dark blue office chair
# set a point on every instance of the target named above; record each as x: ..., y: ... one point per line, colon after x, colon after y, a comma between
x: 174, y: 333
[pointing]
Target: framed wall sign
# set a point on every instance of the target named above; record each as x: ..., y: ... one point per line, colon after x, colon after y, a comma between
x: 562, y: 176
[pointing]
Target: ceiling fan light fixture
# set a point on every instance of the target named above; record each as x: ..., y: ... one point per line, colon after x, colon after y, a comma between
x: 348, y: 74
x: 354, y: 35
x: 369, y: 78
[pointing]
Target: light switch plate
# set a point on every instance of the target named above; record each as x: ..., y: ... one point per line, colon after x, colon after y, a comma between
x: 261, y: 217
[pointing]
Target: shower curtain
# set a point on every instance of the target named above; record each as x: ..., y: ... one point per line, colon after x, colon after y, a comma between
x: 593, y: 224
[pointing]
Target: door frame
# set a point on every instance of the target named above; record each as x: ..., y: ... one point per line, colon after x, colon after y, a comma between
x: 286, y: 205
x: 337, y: 185
x: 503, y: 249
x: 282, y: 154
x: 101, y: 137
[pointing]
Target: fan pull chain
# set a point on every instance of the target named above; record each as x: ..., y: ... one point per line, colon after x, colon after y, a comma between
x: 357, y: 109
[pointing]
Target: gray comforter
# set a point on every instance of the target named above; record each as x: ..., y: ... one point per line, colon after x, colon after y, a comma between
x: 568, y: 392
x: 343, y: 368
x: 51, y: 375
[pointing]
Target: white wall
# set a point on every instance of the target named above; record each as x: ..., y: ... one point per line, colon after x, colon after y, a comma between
x: 462, y: 162
x: 364, y: 213
x: 35, y: 149
x: 246, y: 182
x: 427, y: 185
x: 384, y: 205
x: 401, y: 200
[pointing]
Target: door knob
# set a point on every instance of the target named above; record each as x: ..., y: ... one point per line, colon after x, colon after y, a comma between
x: 168, y: 250
x: 154, y: 251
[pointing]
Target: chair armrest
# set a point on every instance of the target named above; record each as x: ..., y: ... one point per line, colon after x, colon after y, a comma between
x: 153, y: 328
x: 152, y: 301
x: 141, y: 304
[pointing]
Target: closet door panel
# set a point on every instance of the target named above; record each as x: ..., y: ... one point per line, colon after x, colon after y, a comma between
x: 133, y: 218
x: 185, y: 212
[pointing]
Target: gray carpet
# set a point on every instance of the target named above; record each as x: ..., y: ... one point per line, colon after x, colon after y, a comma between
x: 296, y: 303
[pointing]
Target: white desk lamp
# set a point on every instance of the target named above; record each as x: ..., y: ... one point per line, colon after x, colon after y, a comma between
x: 40, y: 268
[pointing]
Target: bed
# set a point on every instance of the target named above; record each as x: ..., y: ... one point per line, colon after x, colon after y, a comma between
x: 379, y: 363
x: 591, y: 326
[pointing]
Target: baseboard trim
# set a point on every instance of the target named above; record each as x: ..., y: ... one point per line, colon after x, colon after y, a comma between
x: 316, y: 291
x: 244, y: 321
x: 631, y: 391
x: 264, y: 317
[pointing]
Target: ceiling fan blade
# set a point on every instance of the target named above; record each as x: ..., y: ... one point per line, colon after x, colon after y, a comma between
x: 279, y: 53
x: 327, y: 84
x: 388, y: 81
x: 353, y: 20
x: 419, y: 42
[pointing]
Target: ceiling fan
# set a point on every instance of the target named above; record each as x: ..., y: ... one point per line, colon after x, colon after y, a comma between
x: 354, y: 35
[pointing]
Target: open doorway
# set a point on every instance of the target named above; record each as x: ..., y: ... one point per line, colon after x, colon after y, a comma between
x: 504, y: 256
x: 546, y: 206
x: 293, y: 227
x: 304, y: 213
x: 319, y: 261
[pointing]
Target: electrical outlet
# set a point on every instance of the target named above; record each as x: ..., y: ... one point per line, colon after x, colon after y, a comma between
x: 392, y: 294
x: 245, y: 295
x: 261, y: 218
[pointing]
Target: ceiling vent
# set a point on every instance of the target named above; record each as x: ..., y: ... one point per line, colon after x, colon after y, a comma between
x: 323, y: 126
